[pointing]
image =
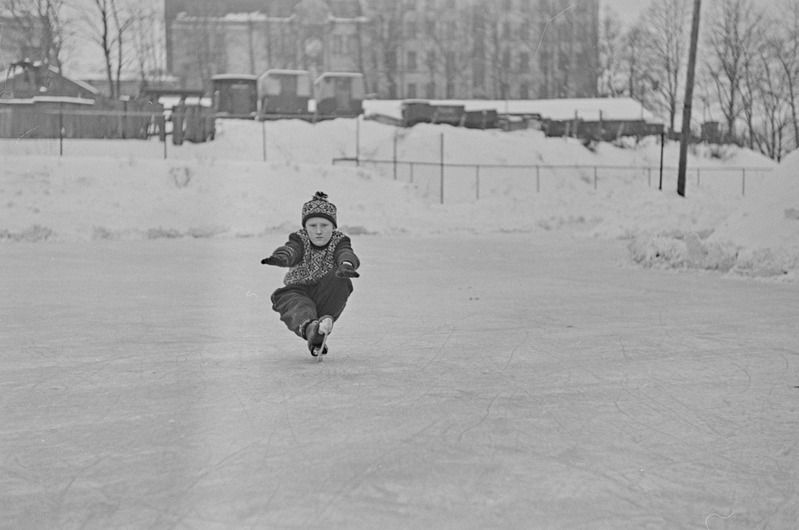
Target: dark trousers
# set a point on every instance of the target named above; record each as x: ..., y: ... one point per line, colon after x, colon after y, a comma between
x: 299, y: 304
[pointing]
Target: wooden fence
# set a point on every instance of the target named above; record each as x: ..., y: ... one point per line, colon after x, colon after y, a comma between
x: 51, y: 117
x: 79, y: 118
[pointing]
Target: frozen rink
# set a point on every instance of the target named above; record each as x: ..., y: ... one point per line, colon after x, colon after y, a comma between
x: 505, y: 381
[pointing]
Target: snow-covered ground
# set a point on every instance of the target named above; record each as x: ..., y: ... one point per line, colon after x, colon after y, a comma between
x: 127, y: 190
x: 504, y: 362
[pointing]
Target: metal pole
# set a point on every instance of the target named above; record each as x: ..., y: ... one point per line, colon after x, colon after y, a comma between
x: 595, y: 177
x: 687, y: 102
x: 411, y: 172
x: 697, y: 177
x: 662, y: 145
x: 442, y: 168
x: 357, y: 141
x: 477, y: 181
x: 649, y: 176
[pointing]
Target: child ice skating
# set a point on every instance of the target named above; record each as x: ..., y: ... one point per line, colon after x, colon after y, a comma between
x: 317, y: 286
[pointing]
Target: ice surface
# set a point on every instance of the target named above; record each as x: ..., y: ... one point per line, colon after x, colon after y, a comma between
x: 489, y: 381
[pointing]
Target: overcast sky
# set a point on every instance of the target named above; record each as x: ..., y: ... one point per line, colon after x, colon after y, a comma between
x: 629, y: 10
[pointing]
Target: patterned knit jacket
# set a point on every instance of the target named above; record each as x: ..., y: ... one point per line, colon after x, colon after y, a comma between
x: 309, y: 263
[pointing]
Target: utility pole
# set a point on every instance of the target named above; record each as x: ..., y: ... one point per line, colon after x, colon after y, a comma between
x: 689, y: 95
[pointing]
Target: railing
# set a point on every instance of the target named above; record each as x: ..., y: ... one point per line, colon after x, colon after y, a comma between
x: 418, y: 172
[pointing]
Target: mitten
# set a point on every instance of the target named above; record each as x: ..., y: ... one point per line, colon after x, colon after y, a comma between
x: 346, y: 270
x: 277, y: 259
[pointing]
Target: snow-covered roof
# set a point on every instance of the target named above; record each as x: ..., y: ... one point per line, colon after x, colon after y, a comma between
x: 53, y: 70
x: 46, y: 99
x: 283, y: 71
x: 588, y: 109
x: 234, y: 77
x: 339, y: 74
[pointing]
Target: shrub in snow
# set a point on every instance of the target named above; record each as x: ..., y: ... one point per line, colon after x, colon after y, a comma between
x: 30, y: 234
x: 682, y: 251
x: 766, y: 263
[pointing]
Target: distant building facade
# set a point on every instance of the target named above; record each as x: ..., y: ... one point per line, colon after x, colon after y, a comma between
x: 435, y: 49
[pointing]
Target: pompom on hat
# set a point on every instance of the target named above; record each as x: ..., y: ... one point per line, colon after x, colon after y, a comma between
x: 319, y: 206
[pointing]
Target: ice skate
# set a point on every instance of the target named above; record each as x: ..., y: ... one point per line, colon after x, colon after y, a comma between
x: 316, y: 333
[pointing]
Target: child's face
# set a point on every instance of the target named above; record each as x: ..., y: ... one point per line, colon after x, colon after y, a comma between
x: 320, y: 230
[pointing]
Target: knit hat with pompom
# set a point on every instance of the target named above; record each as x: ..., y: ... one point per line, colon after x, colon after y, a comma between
x: 319, y: 206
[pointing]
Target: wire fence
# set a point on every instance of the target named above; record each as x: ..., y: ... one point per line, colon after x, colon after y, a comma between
x: 458, y: 182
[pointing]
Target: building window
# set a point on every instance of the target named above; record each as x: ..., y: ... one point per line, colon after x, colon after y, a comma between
x: 411, y: 90
x: 506, y: 30
x: 338, y: 45
x: 411, y: 28
x: 524, y: 91
x: 506, y: 59
x: 524, y: 31
x: 431, y: 90
x: 524, y: 62
x: 479, y: 74
x: 412, y: 67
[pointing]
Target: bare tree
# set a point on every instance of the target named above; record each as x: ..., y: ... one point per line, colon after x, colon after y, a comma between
x: 785, y: 46
x: 105, y: 23
x: 775, y: 112
x: 731, y: 35
x: 386, y: 34
x: 41, y: 26
x: 665, y: 22
x: 147, y: 39
x: 447, y: 30
x: 634, y: 62
x: 610, y: 44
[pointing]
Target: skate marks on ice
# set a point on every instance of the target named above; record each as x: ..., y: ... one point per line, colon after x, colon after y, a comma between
x: 530, y: 382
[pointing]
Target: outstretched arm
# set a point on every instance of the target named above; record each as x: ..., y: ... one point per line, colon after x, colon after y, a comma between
x: 286, y: 256
x: 346, y: 259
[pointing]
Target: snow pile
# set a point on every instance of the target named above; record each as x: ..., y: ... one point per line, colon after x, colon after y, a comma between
x: 126, y: 190
x: 759, y: 238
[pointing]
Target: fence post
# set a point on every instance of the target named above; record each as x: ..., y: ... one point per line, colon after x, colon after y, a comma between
x: 263, y: 137
x: 60, y: 129
x: 595, y: 177
x: 662, y: 145
x: 395, y: 154
x: 477, y: 181
x: 649, y: 176
x: 697, y: 177
x: 442, y: 168
x: 537, y: 178
x: 743, y: 183
x: 357, y: 141
x: 411, y: 172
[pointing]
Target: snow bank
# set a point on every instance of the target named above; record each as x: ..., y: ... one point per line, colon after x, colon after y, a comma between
x: 225, y: 189
x: 760, y: 238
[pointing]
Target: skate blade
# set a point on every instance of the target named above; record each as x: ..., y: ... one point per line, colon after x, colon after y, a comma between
x: 318, y: 351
